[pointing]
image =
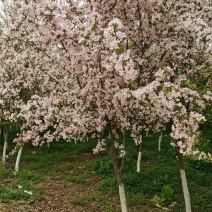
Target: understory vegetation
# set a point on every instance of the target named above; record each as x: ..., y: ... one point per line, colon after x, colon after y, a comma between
x: 157, y: 186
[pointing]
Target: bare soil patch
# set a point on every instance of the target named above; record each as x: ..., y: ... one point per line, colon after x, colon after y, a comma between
x: 59, y: 194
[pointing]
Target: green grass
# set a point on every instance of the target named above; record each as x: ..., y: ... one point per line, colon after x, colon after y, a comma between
x: 64, y: 161
x: 100, y: 202
x: 15, y: 185
x: 6, y: 195
x: 2, y: 173
x: 77, y: 179
x: 82, y: 201
x: 137, y: 199
x: 159, y: 169
x: 12, y: 194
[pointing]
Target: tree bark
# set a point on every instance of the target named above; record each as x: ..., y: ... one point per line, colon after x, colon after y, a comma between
x: 109, y: 136
x: 6, y: 136
x: 147, y: 133
x: 2, y: 136
x: 18, y: 157
x: 119, y: 170
x: 159, y: 141
x: 184, y: 181
x: 139, y: 157
x: 122, y: 198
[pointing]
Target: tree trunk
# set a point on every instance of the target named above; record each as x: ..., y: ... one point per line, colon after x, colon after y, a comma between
x: 139, y: 157
x: 109, y: 136
x: 1, y: 136
x: 18, y: 157
x: 4, y: 151
x: 184, y: 182
x: 147, y: 133
x: 119, y: 170
x: 159, y: 141
x: 6, y: 136
x: 122, y: 198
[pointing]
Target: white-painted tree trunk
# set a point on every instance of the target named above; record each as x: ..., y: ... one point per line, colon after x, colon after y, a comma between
x: 159, y: 141
x: 139, y: 161
x: 118, y: 168
x: 109, y: 136
x: 140, y: 151
x: 48, y: 145
x: 184, y: 181
x: 147, y: 133
x: 122, y: 198
x: 6, y: 136
x: 4, y: 151
x: 18, y: 157
x: 185, y: 190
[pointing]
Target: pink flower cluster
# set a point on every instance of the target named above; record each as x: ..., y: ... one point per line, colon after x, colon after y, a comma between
x: 82, y: 71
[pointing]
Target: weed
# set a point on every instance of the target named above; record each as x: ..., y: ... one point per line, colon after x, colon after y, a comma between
x: 2, y: 173
x: 77, y: 179
x: 13, y: 194
x: 65, y: 166
x: 8, y: 194
x: 166, y: 197
x: 82, y: 201
x: 79, y: 202
x: 136, y: 199
x: 31, y: 158
x: 38, y: 190
x: 104, y: 166
x: 26, y: 176
x: 108, y: 186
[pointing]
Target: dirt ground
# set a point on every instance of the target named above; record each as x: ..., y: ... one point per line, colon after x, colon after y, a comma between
x: 59, y: 193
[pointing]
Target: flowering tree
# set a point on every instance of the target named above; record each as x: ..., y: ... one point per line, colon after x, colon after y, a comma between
x: 17, y: 86
x: 107, y: 67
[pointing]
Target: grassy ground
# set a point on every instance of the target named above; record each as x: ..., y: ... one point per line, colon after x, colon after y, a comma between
x: 68, y: 177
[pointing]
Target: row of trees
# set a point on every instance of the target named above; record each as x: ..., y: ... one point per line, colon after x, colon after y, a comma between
x: 99, y: 69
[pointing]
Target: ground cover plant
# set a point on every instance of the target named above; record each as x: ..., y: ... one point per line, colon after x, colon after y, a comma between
x: 52, y: 174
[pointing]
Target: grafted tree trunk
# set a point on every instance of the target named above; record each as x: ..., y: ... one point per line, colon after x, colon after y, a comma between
x: 119, y: 170
x: 184, y: 181
x: 6, y: 137
x: 17, y: 164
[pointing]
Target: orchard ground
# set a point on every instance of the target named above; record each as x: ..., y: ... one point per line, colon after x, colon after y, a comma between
x: 69, y: 177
